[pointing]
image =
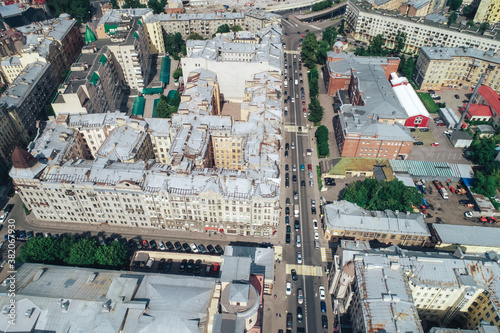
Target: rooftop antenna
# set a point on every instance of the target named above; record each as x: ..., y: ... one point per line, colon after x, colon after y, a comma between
x: 459, y: 124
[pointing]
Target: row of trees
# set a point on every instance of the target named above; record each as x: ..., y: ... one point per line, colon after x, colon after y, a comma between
x: 225, y: 29
x: 314, y: 52
x: 69, y: 251
x: 168, y: 105
x: 321, y: 135
x: 322, y: 5
x: 374, y: 195
x: 482, y: 152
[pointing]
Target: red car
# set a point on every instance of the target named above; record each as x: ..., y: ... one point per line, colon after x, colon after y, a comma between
x: 303, y: 102
x: 309, y: 167
x: 435, y: 144
x: 440, y: 124
x: 304, y: 110
x: 215, y: 267
x: 145, y: 244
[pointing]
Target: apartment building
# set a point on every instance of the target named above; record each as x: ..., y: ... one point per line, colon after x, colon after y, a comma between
x: 410, y: 8
x: 159, y: 132
x: 174, y: 7
x: 488, y: 11
x: 245, y: 58
x: 26, y: 97
x: 96, y: 84
x: 364, y: 23
x: 11, y: 42
x: 456, y: 67
x: 9, y: 139
x: 65, y: 31
x: 345, y: 220
x: 201, y: 94
x: 443, y: 287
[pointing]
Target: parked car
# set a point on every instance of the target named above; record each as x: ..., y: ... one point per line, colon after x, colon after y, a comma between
x: 219, y: 249
x: 288, y: 201
x: 299, y: 257
x: 168, y: 265
x: 197, y: 267
x: 178, y: 246
x: 288, y: 238
x: 418, y: 143
x: 186, y: 247
x: 315, y: 224
x: 313, y: 203
x: 468, y: 214
x: 169, y: 246
x: 464, y: 202
x: 153, y: 244
x: 300, y: 315
x: 457, y: 96
x: 435, y: 144
x: 295, y: 277
x: 322, y: 305
x: 448, y: 132
x: 313, y: 210
x: 182, y: 266
x: 190, y: 265
x: 322, y: 294
x: 194, y: 248
x: 424, y: 130
x: 161, y: 264
x: 288, y: 288
x: 145, y: 244
x: 210, y: 249
x: 324, y: 321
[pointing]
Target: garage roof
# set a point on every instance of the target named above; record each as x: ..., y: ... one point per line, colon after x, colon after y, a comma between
x: 468, y: 235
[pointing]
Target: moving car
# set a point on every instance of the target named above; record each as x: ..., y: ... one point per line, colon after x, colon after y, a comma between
x: 313, y: 210
x: 299, y: 314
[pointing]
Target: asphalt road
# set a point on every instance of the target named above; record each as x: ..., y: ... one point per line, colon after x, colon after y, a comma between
x: 311, y: 256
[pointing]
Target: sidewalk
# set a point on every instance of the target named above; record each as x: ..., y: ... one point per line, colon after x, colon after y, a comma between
x: 326, y: 102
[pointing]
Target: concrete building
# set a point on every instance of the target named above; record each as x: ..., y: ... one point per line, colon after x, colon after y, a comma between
x: 487, y: 11
x: 449, y: 117
x: 27, y: 96
x: 57, y: 298
x: 11, y: 42
x: 345, y: 220
x: 461, y: 139
x: 364, y: 23
x: 201, y: 94
x: 456, y: 67
x: 95, y: 84
x: 471, y: 239
x: 174, y: 7
x: 130, y: 48
x: 236, y: 58
x: 443, y: 287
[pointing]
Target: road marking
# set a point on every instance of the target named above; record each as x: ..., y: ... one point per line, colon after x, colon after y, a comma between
x: 326, y: 254
x: 295, y: 129
x: 305, y: 270
x: 292, y: 52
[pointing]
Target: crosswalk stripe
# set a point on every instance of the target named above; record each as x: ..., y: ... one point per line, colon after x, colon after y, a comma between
x: 305, y: 270
x: 326, y: 254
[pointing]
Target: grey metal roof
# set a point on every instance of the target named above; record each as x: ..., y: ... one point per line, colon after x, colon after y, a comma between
x: 262, y: 258
x: 348, y: 216
x: 238, y: 292
x: 228, y: 323
x: 235, y: 269
x: 439, y: 53
x: 10, y: 10
x: 460, y: 135
x: 468, y: 235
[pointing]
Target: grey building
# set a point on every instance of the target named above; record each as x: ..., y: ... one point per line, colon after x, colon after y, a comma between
x: 460, y: 139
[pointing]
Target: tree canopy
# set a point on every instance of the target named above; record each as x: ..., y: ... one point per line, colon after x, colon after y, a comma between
x: 236, y: 28
x: 223, y: 29
x: 195, y: 36
x: 78, y: 9
x: 374, y: 195
x: 454, y: 4
x: 452, y: 19
x: 330, y: 35
x: 316, y: 110
x: 168, y: 106
x: 322, y: 5
x: 174, y: 44
x: 400, y: 41
x: 69, y: 251
x: 308, y: 52
x: 483, y: 27
x: 157, y: 6
x: 177, y: 73
x: 321, y: 135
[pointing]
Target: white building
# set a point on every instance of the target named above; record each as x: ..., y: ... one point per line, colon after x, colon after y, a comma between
x: 236, y: 58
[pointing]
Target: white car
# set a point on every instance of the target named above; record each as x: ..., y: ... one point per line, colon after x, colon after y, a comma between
x: 288, y: 288
x: 299, y: 257
x: 322, y: 294
x: 3, y: 218
x: 448, y: 132
x: 315, y: 224
x: 194, y: 248
x: 468, y: 214
x: 293, y: 100
x: 305, y: 114
x: 316, y: 234
x: 161, y: 245
x: 313, y: 203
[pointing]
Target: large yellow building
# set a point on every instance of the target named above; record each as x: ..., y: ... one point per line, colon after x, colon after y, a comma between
x: 488, y: 11
x: 456, y: 67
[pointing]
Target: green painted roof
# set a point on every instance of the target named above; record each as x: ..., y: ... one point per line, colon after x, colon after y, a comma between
x: 139, y: 22
x: 110, y: 28
x: 94, y: 78
x: 89, y: 36
x: 103, y: 59
x: 139, y: 104
x: 165, y: 70
x: 136, y: 35
x: 150, y: 91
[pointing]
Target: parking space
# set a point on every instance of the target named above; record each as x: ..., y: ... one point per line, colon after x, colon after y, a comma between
x: 448, y: 211
x: 448, y: 96
x: 176, y: 263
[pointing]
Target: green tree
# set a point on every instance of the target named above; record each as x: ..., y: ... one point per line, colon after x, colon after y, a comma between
x: 65, y: 245
x: 484, y: 185
x: 483, y: 151
x: 78, y: 9
x: 174, y: 43
x: 167, y: 106
x: 321, y: 52
x: 408, y: 68
x: 330, y: 35
x: 83, y: 253
x: 376, y: 46
x: 223, y: 29
x: 113, y: 255
x: 49, y: 111
x: 114, y: 4
x: 374, y: 195
x: 321, y: 5
x: 400, y: 41
x: 42, y: 250
x: 308, y: 51
x: 156, y: 6
x: 316, y: 110
x: 454, y: 4
x: 177, y: 73
x: 360, y: 51
x: 236, y: 28
x: 234, y: 10
x: 341, y: 27
x: 483, y: 27
x: 195, y: 36
x: 313, y: 82
x: 452, y: 19
x: 321, y: 135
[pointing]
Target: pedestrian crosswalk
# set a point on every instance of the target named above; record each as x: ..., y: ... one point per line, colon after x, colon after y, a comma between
x: 305, y: 270
x: 293, y: 128
x: 326, y: 254
x: 278, y: 252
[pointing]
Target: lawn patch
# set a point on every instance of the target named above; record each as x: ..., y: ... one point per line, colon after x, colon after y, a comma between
x: 428, y: 102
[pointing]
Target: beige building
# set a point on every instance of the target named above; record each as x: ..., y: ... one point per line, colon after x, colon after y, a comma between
x: 201, y: 94
x: 488, y: 11
x: 228, y: 151
x: 456, y: 67
x: 443, y: 287
x: 364, y: 23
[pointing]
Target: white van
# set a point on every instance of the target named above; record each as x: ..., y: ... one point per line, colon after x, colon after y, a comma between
x: 299, y: 244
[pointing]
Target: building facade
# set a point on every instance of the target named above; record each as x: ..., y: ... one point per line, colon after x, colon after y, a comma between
x: 488, y: 11
x: 456, y: 67
x: 364, y: 24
